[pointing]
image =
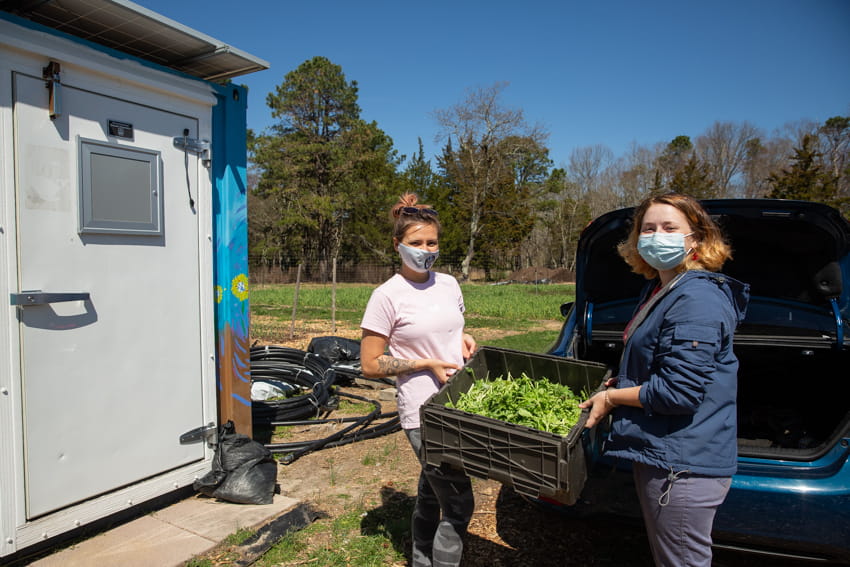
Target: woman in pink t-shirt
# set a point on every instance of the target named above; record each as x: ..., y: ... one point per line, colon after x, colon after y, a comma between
x: 413, y: 329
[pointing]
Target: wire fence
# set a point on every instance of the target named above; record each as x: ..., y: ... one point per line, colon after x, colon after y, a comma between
x: 268, y: 273
x: 263, y: 272
x: 306, y: 322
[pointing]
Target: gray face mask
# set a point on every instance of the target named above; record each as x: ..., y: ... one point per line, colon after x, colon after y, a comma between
x: 417, y: 259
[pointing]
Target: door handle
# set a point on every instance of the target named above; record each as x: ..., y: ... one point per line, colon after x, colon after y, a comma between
x: 38, y: 297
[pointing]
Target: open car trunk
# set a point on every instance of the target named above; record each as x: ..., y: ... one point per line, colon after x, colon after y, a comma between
x: 792, y: 401
x: 793, y: 398
x: 791, y: 404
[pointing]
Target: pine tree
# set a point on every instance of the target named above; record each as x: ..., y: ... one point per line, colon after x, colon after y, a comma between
x: 806, y: 179
x: 324, y: 170
x: 694, y: 179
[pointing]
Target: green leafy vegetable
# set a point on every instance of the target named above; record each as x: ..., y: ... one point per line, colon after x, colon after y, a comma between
x: 539, y: 404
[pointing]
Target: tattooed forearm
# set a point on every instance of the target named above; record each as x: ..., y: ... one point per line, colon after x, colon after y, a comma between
x: 392, y: 366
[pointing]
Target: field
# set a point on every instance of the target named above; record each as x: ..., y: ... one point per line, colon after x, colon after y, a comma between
x: 520, y: 316
x: 364, y: 491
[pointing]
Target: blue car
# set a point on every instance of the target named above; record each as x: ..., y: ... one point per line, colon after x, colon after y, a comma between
x: 791, y: 495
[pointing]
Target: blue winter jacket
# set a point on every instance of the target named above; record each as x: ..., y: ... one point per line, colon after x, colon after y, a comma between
x: 681, y: 356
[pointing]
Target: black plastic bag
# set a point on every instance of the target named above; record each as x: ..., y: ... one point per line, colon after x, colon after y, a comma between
x: 343, y: 353
x: 243, y: 470
x: 335, y: 349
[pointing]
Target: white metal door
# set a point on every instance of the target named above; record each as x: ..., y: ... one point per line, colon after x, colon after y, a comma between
x: 109, y: 382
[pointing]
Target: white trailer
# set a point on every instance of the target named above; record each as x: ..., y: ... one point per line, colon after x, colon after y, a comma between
x: 120, y: 203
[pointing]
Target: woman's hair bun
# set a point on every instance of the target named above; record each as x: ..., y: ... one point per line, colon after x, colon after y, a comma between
x: 406, y: 200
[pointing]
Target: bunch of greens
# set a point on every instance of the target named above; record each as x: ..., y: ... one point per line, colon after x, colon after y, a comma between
x: 539, y: 404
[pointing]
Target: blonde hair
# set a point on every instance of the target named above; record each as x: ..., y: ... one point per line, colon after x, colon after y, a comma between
x: 711, y: 251
x: 403, y: 218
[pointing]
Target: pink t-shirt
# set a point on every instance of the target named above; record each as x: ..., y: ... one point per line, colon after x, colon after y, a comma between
x: 421, y: 321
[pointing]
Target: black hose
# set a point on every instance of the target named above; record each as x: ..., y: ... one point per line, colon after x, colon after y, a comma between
x: 328, y: 420
x: 306, y: 370
x: 317, y: 374
x: 367, y: 433
x: 317, y: 444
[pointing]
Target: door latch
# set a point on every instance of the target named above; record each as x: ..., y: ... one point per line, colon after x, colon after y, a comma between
x: 194, y: 145
x: 38, y: 297
x: 206, y: 433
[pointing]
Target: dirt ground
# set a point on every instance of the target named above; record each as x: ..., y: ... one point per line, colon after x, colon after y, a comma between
x: 381, y: 474
x: 507, y: 530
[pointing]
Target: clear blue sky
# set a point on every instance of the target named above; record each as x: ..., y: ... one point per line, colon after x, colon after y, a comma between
x: 609, y: 72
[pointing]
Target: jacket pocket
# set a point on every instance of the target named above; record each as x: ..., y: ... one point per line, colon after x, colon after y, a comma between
x: 687, y: 335
x: 695, y: 343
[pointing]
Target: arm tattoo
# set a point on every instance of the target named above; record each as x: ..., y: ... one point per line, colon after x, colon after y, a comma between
x: 392, y: 366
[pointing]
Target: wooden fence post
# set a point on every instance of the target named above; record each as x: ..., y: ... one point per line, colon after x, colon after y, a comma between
x: 295, y: 303
x: 333, y: 298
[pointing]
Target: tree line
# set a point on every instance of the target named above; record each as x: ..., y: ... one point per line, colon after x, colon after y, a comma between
x: 322, y: 179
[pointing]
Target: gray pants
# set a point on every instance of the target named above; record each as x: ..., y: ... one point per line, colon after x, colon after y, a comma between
x: 678, y: 510
x: 444, y: 506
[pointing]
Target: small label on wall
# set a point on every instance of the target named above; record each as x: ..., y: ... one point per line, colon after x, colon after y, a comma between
x: 120, y: 129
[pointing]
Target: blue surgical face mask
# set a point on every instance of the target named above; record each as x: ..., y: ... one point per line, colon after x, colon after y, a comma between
x: 662, y: 250
x: 417, y: 259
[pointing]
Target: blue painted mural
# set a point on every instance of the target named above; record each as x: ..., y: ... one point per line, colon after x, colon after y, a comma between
x: 230, y: 236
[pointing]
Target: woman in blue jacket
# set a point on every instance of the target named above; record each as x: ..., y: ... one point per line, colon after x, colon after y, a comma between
x: 673, y: 403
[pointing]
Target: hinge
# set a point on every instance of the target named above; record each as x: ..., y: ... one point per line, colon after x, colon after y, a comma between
x: 194, y: 145
x: 51, y: 74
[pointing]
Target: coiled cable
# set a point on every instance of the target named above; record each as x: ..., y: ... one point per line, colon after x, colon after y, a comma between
x: 316, y: 374
x: 308, y: 371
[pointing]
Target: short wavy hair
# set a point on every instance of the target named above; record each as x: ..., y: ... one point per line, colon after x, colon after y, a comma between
x: 711, y: 251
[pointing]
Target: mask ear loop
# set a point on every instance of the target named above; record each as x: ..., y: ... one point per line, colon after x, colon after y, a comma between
x: 695, y: 256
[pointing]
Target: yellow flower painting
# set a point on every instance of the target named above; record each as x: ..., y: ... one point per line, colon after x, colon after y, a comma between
x: 239, y: 287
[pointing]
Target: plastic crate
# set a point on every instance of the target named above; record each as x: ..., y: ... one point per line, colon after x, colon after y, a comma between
x: 535, y: 463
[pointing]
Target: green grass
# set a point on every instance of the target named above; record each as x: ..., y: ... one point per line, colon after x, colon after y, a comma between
x: 354, y: 407
x: 361, y: 537
x: 513, y: 301
x: 330, y: 462
x: 388, y: 454
x: 504, y: 305
x: 238, y: 537
x: 513, y: 307
x: 314, y: 301
x: 531, y: 341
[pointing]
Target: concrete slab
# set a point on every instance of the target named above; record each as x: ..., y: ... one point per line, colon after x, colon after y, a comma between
x: 168, y: 537
x: 215, y: 520
x: 143, y: 542
x: 387, y: 395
